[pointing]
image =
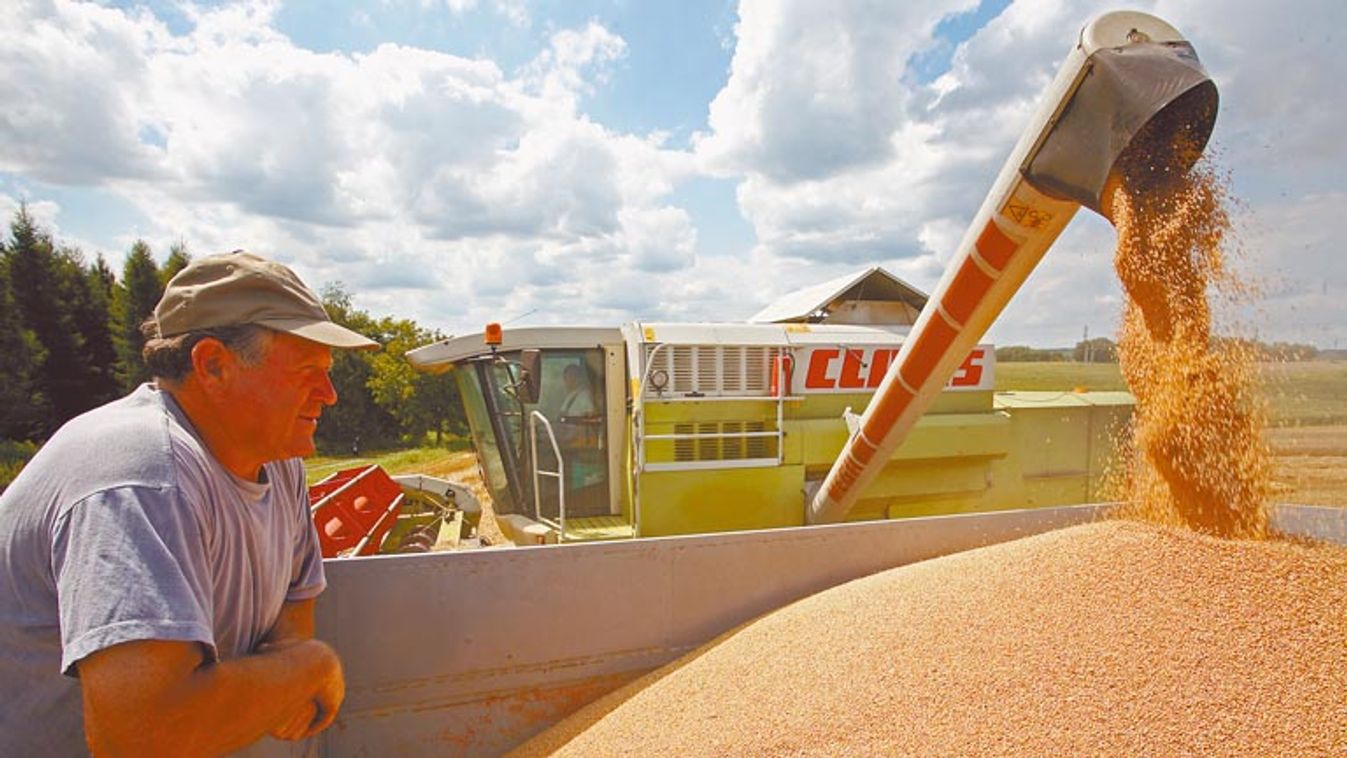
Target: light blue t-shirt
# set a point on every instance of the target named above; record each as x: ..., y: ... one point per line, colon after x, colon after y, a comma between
x: 123, y: 527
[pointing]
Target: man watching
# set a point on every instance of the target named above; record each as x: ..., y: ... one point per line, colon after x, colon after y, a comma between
x: 158, y: 566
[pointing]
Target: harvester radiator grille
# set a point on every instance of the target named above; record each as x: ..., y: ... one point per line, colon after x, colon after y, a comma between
x: 713, y: 370
x: 722, y: 441
x: 685, y: 448
x: 758, y: 447
x: 706, y: 362
x: 708, y: 448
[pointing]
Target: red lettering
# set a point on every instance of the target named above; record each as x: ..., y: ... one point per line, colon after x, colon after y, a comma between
x: 879, y: 366
x: 817, y: 377
x: 851, y: 370
x: 970, y: 372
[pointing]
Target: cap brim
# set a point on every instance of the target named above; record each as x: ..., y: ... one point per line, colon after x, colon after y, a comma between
x: 323, y: 332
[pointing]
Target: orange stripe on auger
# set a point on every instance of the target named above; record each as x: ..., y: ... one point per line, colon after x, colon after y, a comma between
x: 862, y: 450
x: 995, y: 247
x: 847, y: 475
x: 970, y: 285
x: 931, y: 346
x: 885, y: 411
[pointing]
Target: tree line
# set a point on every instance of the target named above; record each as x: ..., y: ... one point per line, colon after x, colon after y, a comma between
x: 70, y: 341
x: 1105, y: 350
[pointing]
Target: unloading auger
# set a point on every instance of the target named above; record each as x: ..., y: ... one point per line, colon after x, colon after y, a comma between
x: 1130, y: 91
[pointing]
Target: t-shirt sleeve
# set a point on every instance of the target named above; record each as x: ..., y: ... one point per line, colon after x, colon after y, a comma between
x: 130, y: 564
x: 307, y: 579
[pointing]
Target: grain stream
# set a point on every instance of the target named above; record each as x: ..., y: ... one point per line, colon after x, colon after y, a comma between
x: 1197, y: 455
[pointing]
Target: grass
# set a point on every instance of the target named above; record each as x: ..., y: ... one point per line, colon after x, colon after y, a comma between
x: 13, y: 455
x: 1312, y: 393
x: 1308, y: 393
x: 1307, y: 415
x: 419, y: 460
x: 1094, y: 377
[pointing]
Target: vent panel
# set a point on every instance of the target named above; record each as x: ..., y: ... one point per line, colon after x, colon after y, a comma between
x: 714, y: 370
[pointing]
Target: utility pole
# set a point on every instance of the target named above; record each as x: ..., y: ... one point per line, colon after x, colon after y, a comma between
x: 1085, y: 341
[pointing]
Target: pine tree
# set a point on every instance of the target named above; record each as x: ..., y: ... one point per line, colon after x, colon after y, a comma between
x: 141, y: 289
x: 86, y: 290
x: 36, y: 283
x: 20, y: 399
x: 178, y: 258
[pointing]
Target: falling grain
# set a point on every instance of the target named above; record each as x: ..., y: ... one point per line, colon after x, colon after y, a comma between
x: 1197, y: 453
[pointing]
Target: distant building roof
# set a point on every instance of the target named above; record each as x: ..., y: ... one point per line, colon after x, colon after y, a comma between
x: 870, y: 296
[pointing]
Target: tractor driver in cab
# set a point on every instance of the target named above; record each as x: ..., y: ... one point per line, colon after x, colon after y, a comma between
x: 579, y: 427
x: 579, y: 401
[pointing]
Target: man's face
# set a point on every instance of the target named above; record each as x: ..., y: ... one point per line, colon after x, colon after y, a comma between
x: 280, y: 399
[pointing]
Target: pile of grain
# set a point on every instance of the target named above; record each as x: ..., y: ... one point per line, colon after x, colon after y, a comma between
x: 1114, y: 638
x: 1158, y: 635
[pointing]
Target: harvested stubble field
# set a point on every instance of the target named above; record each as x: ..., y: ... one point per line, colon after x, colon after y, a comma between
x: 1307, y: 410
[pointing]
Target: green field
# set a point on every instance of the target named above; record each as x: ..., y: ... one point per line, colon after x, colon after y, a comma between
x: 1308, y: 393
x: 416, y: 460
x: 1312, y: 393
x: 1025, y: 377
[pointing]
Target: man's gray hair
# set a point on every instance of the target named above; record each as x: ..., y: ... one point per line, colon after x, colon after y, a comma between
x: 170, y: 358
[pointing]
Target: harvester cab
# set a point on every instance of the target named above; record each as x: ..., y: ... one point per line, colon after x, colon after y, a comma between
x: 544, y: 407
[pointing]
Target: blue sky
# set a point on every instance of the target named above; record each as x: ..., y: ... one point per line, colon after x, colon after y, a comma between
x: 461, y: 161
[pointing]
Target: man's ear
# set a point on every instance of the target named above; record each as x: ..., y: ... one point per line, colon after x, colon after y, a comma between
x: 213, y: 365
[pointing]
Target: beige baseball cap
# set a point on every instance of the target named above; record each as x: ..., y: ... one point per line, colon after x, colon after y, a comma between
x: 241, y: 288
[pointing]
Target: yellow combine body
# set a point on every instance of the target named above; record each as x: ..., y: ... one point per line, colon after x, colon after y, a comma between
x: 697, y: 428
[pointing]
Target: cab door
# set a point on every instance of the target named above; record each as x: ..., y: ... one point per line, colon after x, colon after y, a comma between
x: 571, y: 397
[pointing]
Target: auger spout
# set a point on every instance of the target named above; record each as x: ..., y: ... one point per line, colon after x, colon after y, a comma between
x: 1129, y: 91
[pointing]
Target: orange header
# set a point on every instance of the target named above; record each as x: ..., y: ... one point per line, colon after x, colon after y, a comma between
x: 492, y: 336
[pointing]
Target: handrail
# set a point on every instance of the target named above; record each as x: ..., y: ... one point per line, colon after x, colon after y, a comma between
x: 711, y: 435
x: 638, y: 432
x: 779, y: 399
x: 560, y: 473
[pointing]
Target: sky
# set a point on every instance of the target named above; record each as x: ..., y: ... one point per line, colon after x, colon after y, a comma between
x: 460, y: 162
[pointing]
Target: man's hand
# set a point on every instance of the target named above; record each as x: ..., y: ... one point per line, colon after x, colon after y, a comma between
x: 317, y: 714
x: 158, y: 697
x: 297, y: 726
x: 293, y: 625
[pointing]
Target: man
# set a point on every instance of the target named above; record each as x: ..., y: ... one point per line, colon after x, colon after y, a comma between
x: 578, y: 401
x: 158, y: 566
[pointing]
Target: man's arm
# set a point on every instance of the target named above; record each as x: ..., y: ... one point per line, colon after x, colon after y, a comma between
x: 294, y: 624
x: 155, y: 697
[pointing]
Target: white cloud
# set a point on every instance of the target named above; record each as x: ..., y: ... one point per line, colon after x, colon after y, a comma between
x: 573, y: 61
x: 431, y: 184
x: 514, y: 11
x: 450, y: 189
x: 44, y: 212
x: 845, y: 159
x: 816, y: 88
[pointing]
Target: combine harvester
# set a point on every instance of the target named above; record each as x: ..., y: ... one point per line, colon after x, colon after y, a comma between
x: 731, y: 452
